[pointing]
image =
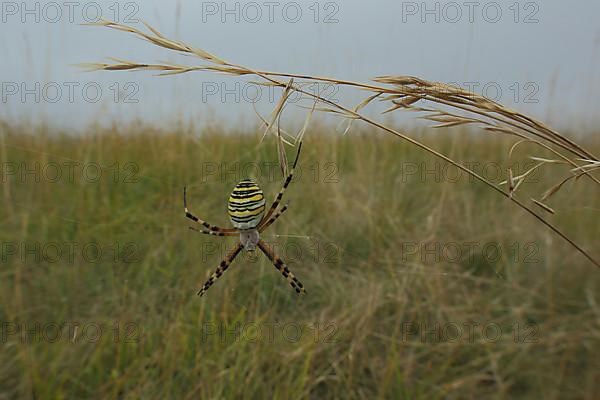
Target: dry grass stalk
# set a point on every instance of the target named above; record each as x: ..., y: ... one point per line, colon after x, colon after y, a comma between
x: 404, y: 92
x: 543, y: 206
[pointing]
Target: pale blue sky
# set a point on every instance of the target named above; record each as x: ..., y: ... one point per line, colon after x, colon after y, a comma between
x: 544, y: 57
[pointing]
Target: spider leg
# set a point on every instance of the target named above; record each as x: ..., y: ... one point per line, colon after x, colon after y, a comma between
x: 202, y: 222
x: 221, y: 268
x: 214, y: 233
x: 285, y: 185
x: 280, y: 265
x: 265, y: 224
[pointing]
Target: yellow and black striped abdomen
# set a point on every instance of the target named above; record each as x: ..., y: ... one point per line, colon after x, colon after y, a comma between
x: 246, y: 205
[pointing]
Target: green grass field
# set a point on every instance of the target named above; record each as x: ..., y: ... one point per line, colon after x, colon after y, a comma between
x: 421, y: 282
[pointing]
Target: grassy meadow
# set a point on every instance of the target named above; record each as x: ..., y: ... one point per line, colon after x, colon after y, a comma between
x: 422, y: 283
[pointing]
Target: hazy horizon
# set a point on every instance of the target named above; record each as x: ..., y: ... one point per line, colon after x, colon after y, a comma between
x: 517, y: 53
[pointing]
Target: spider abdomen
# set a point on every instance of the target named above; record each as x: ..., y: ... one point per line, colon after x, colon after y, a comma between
x: 246, y: 205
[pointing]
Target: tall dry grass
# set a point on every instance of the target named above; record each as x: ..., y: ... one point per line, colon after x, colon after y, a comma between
x: 371, y: 301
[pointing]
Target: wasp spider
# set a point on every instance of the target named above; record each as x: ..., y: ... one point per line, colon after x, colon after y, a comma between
x: 246, y: 208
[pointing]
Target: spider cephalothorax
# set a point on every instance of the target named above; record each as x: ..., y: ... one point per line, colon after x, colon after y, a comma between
x: 246, y: 208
